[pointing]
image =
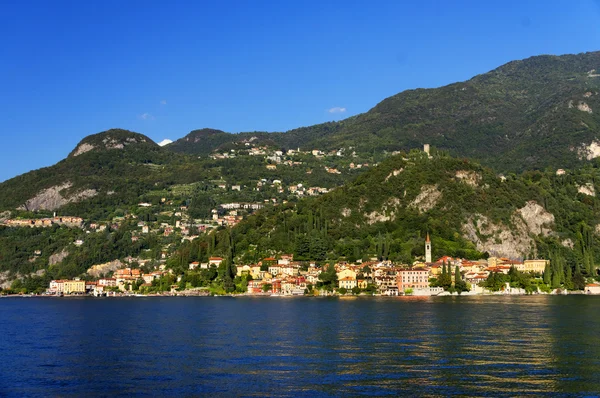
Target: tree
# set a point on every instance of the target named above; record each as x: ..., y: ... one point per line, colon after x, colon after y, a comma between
x: 342, y: 290
x: 547, y: 273
x: 229, y: 273
x: 555, y: 280
x: 445, y: 279
x: 329, y: 276
x: 578, y: 280
x: 459, y: 284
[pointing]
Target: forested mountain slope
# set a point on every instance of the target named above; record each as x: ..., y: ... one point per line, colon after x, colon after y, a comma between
x: 467, y: 209
x: 530, y: 114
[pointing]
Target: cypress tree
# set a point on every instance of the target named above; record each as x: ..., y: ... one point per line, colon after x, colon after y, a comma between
x: 590, y: 262
x: 547, y: 273
x: 568, y: 276
x: 555, y: 279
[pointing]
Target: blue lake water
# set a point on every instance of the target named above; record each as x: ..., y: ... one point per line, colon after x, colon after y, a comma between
x: 475, y: 346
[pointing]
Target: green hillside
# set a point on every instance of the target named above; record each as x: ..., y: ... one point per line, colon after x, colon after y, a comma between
x: 468, y: 210
x: 531, y: 114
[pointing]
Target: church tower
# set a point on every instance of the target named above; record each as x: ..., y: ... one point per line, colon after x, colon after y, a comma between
x: 427, y: 249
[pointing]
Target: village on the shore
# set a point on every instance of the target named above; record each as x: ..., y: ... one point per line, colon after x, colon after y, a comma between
x: 282, y: 276
x: 278, y: 274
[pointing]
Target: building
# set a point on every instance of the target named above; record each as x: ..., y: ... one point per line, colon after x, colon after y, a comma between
x: 108, y: 282
x: 537, y: 266
x: 215, y: 261
x: 57, y: 286
x: 274, y: 269
x: 592, y: 288
x: 427, y: 249
x: 417, y: 278
x: 244, y: 270
x: 347, y: 283
x: 74, y: 287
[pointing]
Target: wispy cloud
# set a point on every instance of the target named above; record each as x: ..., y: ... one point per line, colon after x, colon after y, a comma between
x: 163, y: 102
x: 164, y: 142
x: 336, y: 109
x: 146, y: 116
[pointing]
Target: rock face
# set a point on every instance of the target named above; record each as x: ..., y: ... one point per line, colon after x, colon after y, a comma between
x: 582, y: 106
x: 427, y: 198
x: 538, y: 220
x: 83, y: 148
x: 386, y: 214
x: 5, y: 280
x: 98, y: 270
x: 469, y: 177
x: 498, y: 239
x: 587, y: 189
x: 52, y: 198
x: 515, y: 242
x: 590, y: 151
x: 394, y: 173
x: 58, y: 257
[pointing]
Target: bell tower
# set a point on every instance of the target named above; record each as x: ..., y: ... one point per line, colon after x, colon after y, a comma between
x: 427, y: 249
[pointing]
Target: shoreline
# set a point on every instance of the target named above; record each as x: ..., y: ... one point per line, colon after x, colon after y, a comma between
x: 497, y: 294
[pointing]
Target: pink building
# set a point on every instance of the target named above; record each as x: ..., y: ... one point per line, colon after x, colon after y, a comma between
x: 412, y: 279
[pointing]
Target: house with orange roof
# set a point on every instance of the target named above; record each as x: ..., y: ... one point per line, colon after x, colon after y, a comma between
x: 215, y: 261
x: 592, y: 288
x: 347, y: 282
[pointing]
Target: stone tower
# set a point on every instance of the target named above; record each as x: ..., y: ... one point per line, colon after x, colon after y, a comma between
x: 427, y: 249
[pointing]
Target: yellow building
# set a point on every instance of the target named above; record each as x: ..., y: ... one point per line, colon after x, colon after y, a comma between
x: 347, y: 282
x: 255, y: 271
x: 537, y: 266
x: 75, y: 286
x: 347, y: 273
x: 243, y: 269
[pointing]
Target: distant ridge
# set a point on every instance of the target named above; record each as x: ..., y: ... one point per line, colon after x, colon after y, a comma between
x: 529, y: 114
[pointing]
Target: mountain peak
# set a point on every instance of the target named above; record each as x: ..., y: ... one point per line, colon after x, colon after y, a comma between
x: 205, y: 132
x: 110, y: 139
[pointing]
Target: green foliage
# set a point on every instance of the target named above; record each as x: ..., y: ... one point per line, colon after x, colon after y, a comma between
x: 328, y: 277
x: 515, y: 278
x: 459, y: 284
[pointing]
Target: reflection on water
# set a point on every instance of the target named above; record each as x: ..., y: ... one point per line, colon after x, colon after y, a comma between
x: 305, y: 346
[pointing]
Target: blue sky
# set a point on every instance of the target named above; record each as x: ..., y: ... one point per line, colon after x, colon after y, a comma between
x: 162, y: 68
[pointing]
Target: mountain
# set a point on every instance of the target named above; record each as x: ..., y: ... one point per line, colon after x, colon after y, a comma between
x: 468, y: 210
x: 110, y: 171
x: 114, y: 166
x: 531, y: 114
x: 540, y: 113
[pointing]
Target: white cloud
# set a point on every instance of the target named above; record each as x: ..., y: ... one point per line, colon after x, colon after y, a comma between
x: 163, y: 102
x: 336, y: 109
x: 164, y: 142
x: 146, y: 116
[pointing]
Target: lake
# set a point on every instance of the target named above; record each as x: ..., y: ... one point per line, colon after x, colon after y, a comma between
x: 483, y: 346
